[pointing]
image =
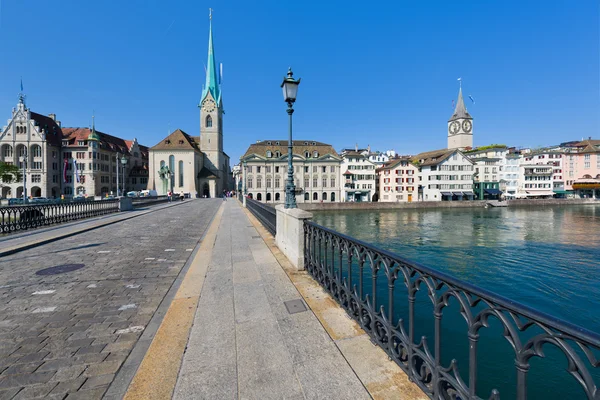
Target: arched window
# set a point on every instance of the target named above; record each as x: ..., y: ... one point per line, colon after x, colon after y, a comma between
x: 172, y: 163
x: 208, y: 121
x: 7, y: 150
x: 269, y: 154
x: 36, y: 150
x: 162, y: 163
x: 180, y: 173
x: 307, y: 154
x: 306, y: 196
x: 259, y: 196
x: 315, y: 154
x: 332, y: 196
x: 315, y: 196
x: 268, y: 196
x: 324, y: 196
x: 277, y: 196
x: 277, y: 154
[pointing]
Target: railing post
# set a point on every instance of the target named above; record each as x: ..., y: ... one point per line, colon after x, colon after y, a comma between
x: 289, y: 235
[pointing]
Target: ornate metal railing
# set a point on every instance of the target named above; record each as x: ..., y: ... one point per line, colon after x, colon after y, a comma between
x: 379, y: 290
x: 16, y: 218
x: 265, y: 214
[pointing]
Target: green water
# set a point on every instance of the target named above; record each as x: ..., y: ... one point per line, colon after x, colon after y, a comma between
x: 547, y: 258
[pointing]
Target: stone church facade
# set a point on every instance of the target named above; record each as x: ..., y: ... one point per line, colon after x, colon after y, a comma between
x: 196, y: 165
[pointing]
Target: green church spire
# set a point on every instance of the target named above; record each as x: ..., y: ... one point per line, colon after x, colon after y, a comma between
x: 212, y: 80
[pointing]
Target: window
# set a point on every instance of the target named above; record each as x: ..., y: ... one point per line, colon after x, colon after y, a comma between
x: 172, y: 164
x: 259, y: 197
x: 332, y: 181
x: 180, y: 174
x: 80, y: 154
x: 7, y: 150
x: 307, y: 154
x: 36, y: 178
x: 37, y: 165
x: 268, y: 169
x: 306, y: 182
x: 315, y: 154
x: 306, y: 170
x: 81, y: 143
x: 315, y: 196
x: 332, y: 196
x: 332, y: 169
x: 250, y: 168
x: 268, y: 196
x: 269, y: 154
x: 268, y: 185
x: 324, y: 169
x: 306, y: 196
x: 258, y: 183
x: 36, y: 150
x: 324, y: 181
x: 208, y: 121
x: 276, y: 170
x: 315, y: 181
x: 249, y: 183
x: 258, y: 170
x: 324, y: 196
x: 277, y: 154
x: 277, y: 182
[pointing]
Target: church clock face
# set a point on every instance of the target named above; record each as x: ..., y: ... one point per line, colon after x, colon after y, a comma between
x: 467, y: 126
x: 454, y: 127
x: 209, y: 105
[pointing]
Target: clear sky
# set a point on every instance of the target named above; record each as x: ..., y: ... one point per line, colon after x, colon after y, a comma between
x: 374, y: 73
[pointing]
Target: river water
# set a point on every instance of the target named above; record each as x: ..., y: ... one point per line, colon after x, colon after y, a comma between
x: 547, y: 258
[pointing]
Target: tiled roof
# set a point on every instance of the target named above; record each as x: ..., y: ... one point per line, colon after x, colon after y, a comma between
x: 432, y: 157
x: 300, y: 147
x: 460, y: 111
x: 394, y: 163
x: 178, y: 140
x: 54, y: 133
x: 107, y: 142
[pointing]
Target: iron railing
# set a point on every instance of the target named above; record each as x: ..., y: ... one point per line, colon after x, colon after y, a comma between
x: 379, y: 290
x: 16, y: 218
x: 265, y: 214
x: 146, y: 201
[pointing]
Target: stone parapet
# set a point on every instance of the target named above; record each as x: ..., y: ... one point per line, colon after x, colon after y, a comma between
x: 290, y: 233
x: 125, y: 204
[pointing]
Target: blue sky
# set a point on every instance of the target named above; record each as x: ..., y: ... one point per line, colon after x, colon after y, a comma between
x: 381, y: 73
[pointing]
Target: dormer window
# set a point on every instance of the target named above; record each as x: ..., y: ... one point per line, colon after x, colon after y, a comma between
x: 306, y: 154
x: 314, y: 143
x: 269, y: 154
x: 81, y: 143
x: 277, y: 153
x: 167, y: 141
x: 180, y: 141
x: 315, y: 154
x: 306, y: 143
x: 277, y: 143
x: 65, y: 142
x: 208, y: 121
x: 269, y: 143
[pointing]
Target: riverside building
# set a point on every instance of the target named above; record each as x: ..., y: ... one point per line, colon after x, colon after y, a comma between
x: 398, y: 181
x: 316, y: 171
x: 444, y: 175
x: 358, y: 177
x: 66, y: 162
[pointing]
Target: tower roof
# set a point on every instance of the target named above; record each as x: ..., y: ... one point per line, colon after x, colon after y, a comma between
x: 460, y: 111
x: 212, y: 80
x: 93, y: 135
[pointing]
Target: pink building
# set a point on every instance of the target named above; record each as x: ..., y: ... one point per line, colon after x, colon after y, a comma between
x: 582, y: 168
x: 397, y: 181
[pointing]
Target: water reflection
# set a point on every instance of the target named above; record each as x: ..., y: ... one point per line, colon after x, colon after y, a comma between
x: 547, y: 257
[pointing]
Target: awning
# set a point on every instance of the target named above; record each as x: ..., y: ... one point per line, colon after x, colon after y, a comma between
x: 457, y: 193
x: 468, y: 193
x: 563, y: 192
x: 446, y: 194
x: 540, y: 193
x: 492, y: 191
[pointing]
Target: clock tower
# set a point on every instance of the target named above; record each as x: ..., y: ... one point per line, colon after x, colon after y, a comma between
x: 460, y: 126
x: 211, y: 121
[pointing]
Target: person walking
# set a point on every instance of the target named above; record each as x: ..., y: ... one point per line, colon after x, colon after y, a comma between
x: 224, y: 195
x: 170, y: 195
x: 181, y: 195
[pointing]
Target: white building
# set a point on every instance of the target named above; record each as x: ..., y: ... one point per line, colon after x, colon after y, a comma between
x: 541, y: 174
x: 444, y: 175
x: 316, y: 171
x: 358, y: 177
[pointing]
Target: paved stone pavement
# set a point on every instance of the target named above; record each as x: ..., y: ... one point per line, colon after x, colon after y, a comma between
x: 67, y: 335
x: 244, y: 344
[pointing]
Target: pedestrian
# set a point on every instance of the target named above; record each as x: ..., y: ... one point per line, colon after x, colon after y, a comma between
x: 181, y: 195
x: 224, y: 195
x: 169, y: 195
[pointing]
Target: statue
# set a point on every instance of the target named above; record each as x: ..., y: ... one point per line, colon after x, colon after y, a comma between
x: 164, y: 173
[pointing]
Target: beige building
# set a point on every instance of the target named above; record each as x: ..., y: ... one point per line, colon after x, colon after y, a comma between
x: 316, y: 171
x: 68, y: 161
x: 196, y: 165
x: 398, y: 181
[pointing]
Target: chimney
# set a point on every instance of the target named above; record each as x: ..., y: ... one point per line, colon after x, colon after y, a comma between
x: 53, y: 116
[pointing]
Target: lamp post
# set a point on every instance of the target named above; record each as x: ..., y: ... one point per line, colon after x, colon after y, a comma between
x: 117, y: 159
x: 245, y: 172
x: 290, y: 90
x: 24, y: 175
x: 124, y: 162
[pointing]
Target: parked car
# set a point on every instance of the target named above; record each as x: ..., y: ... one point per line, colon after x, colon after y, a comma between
x: 133, y: 194
x: 42, y: 200
x: 15, y: 201
x: 148, y: 193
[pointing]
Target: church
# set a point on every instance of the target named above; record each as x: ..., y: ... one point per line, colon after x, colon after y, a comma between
x: 195, y: 164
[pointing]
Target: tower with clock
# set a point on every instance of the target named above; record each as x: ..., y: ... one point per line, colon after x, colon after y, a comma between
x: 460, y: 126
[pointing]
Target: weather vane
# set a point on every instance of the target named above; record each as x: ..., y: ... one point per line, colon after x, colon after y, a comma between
x: 210, y: 13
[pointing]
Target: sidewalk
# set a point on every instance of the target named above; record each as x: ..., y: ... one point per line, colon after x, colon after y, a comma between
x: 26, y: 239
x: 244, y: 343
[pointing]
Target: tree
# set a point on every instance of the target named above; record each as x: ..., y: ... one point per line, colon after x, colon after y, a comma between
x: 10, y: 173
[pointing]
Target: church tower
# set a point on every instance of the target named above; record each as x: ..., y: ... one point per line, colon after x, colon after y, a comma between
x: 460, y: 126
x: 211, y: 119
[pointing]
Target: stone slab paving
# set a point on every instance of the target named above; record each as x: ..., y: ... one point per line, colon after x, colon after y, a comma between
x: 244, y: 344
x: 67, y: 335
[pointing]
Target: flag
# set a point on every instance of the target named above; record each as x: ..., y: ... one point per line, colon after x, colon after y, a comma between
x: 220, y: 73
x: 21, y: 84
x: 76, y: 170
x: 471, y: 97
x: 459, y: 79
x: 65, y: 171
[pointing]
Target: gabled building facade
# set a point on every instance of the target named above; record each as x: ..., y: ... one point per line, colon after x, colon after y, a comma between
x: 316, y: 171
x: 444, y: 175
x: 398, y: 181
x: 358, y: 177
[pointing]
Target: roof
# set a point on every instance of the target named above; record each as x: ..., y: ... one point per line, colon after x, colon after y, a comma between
x: 54, y: 132
x: 178, y: 140
x: 395, y: 162
x: 433, y: 157
x: 299, y: 147
x: 460, y: 111
x: 212, y: 84
x: 353, y: 153
x: 589, y: 146
x: 107, y: 142
x: 206, y: 173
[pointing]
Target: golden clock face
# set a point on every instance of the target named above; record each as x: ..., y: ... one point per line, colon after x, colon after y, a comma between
x: 209, y: 105
x: 467, y: 126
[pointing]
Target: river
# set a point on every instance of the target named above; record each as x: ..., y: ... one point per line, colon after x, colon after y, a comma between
x: 547, y: 258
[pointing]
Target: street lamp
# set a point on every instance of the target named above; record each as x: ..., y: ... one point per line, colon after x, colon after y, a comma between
x: 245, y: 172
x: 290, y: 90
x: 117, y: 162
x: 123, y: 162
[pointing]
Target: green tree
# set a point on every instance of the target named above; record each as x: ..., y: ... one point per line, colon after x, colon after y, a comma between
x: 10, y: 173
